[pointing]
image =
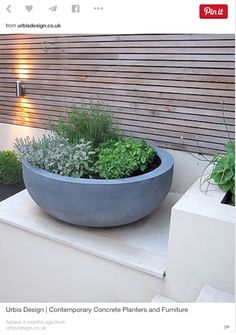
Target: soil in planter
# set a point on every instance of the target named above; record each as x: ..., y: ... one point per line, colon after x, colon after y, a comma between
x: 7, y: 191
x: 227, y: 199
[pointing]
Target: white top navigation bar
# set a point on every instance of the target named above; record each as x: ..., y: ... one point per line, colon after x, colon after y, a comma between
x: 111, y: 17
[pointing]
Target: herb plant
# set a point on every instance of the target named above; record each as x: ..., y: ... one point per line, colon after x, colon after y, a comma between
x: 10, y: 168
x: 224, y: 169
x: 92, y: 122
x: 124, y: 158
x: 56, y: 154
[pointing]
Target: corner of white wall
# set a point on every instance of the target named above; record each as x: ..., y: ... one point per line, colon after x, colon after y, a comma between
x: 9, y: 132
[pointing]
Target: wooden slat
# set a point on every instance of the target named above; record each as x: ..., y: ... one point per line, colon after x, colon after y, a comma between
x: 54, y: 86
x: 129, y: 84
x: 123, y: 68
x: 149, y: 51
x: 160, y: 87
x: 149, y: 109
x: 124, y: 37
x: 77, y: 74
x: 51, y: 41
x: 79, y: 62
x: 80, y: 57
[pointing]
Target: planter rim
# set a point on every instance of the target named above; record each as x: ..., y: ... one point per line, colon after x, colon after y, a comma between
x: 167, y: 162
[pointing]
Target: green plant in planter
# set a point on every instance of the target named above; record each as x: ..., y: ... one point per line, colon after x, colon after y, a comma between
x: 124, y: 158
x: 93, y: 122
x: 224, y: 169
x: 57, y: 155
x: 10, y: 168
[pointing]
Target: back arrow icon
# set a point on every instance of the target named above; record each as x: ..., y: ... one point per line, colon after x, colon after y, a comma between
x: 8, y: 8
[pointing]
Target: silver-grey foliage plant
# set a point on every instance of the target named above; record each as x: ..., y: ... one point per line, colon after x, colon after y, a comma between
x: 56, y: 154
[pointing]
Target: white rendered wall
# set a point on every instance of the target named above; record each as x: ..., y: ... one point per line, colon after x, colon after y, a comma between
x: 39, y: 269
x: 8, y: 134
x: 187, y: 168
x: 201, y: 244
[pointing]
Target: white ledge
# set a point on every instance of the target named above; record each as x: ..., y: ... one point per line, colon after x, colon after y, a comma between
x: 206, y: 202
x: 211, y: 294
x: 141, y: 245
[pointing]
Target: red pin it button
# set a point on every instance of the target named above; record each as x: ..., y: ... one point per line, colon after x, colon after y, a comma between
x: 213, y: 11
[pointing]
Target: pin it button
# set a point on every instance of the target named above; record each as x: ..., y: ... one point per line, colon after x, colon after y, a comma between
x: 213, y: 11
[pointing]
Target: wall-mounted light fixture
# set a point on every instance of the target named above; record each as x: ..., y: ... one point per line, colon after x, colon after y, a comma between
x: 20, y: 89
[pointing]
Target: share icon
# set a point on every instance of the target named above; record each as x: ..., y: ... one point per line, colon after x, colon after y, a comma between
x: 53, y: 9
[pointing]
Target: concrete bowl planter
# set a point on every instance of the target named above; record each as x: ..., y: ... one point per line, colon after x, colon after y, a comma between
x: 100, y: 202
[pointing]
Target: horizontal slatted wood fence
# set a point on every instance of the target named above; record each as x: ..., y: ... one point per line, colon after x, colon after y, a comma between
x: 176, y: 91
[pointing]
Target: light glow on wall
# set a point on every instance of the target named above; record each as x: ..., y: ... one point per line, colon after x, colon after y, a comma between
x: 22, y: 70
x: 24, y: 109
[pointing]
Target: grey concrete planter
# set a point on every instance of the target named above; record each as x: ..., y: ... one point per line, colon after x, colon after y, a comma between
x: 96, y: 202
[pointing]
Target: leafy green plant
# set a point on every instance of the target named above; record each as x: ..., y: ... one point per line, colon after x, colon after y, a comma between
x: 56, y: 154
x: 10, y: 168
x: 92, y: 122
x: 224, y: 169
x: 124, y: 158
